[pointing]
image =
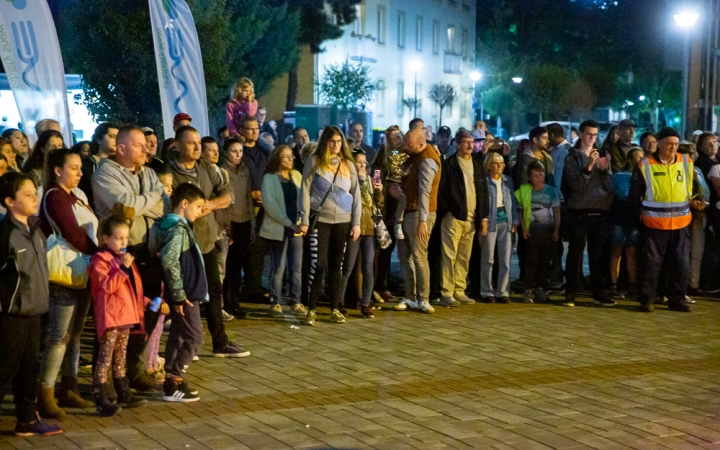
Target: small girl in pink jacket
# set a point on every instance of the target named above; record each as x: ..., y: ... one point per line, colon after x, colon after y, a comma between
x: 119, y: 306
x: 242, y: 105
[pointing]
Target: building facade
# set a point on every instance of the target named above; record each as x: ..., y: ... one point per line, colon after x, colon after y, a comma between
x: 408, y: 45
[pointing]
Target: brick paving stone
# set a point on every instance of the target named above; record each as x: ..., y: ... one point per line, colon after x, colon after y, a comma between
x: 483, y: 376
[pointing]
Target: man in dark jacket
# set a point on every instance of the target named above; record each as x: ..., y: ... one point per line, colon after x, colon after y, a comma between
x: 463, y: 205
x: 588, y: 192
x: 188, y: 167
x: 619, y: 151
x: 539, y: 145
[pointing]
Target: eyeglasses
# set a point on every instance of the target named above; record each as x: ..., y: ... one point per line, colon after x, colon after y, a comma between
x: 335, y: 142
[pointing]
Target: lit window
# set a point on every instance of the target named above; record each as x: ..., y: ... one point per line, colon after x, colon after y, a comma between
x: 450, y: 39
x: 381, y: 14
x: 419, y: 33
x: 400, y: 98
x: 401, y: 29
x: 436, y: 36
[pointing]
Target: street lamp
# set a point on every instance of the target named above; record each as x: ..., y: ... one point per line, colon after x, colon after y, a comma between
x: 685, y: 21
x: 517, y: 80
x: 415, y: 67
x: 475, y: 77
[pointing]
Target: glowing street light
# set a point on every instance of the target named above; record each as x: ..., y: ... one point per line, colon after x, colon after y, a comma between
x: 641, y: 98
x: 685, y: 21
x: 517, y: 80
x: 475, y: 76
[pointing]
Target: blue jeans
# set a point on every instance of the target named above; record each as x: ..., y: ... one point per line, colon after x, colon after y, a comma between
x: 287, y: 252
x: 500, y: 239
x: 66, y: 320
x: 365, y: 246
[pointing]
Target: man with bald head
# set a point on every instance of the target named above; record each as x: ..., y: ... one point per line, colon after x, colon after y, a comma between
x: 123, y: 185
x: 420, y: 188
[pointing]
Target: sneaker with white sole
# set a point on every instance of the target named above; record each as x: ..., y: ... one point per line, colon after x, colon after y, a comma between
x: 310, y: 318
x: 176, y: 390
x: 528, y: 296
x: 464, y: 299
x: 231, y: 351
x: 298, y: 309
x: 426, y: 307
x: 227, y: 317
x: 448, y: 302
x: 405, y: 304
x: 337, y: 317
x: 276, y: 310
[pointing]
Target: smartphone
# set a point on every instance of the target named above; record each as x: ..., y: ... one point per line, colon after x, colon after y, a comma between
x: 376, y: 176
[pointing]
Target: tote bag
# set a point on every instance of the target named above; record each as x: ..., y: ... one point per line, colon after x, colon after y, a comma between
x: 67, y: 266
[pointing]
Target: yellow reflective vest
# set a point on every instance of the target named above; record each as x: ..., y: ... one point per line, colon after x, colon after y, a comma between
x: 665, y: 205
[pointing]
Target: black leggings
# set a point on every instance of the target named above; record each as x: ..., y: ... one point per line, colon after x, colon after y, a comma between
x: 325, y: 251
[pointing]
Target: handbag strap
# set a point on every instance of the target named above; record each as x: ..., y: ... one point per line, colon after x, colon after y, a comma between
x: 53, y: 225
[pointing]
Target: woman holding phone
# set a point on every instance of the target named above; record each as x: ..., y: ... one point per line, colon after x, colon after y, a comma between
x: 364, y: 247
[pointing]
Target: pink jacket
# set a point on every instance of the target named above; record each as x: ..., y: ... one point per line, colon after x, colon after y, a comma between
x: 116, y: 303
x: 235, y: 112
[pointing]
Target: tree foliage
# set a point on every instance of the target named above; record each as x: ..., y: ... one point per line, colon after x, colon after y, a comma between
x: 443, y: 95
x: 110, y: 44
x: 347, y: 86
x: 589, y: 45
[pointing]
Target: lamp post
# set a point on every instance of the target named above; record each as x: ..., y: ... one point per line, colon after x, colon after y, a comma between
x: 475, y: 77
x: 685, y: 21
x: 415, y: 66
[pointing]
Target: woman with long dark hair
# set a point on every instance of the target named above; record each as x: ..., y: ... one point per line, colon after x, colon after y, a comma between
x: 64, y: 210
x: 330, y: 212
x: 49, y: 140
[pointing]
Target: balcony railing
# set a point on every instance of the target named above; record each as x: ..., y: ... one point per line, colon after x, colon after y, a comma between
x: 362, y: 48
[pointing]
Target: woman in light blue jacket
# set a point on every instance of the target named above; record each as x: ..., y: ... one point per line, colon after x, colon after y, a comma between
x: 502, y: 223
x: 280, y: 192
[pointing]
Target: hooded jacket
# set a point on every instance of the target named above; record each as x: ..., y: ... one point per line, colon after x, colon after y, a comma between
x: 212, y: 184
x: 117, y: 300
x: 24, y: 287
x: 181, y: 259
x: 140, y: 193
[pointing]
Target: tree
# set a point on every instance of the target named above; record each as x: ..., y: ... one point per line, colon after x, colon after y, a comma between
x: 316, y: 27
x: 347, y: 86
x: 413, y: 104
x: 110, y: 44
x: 442, y: 95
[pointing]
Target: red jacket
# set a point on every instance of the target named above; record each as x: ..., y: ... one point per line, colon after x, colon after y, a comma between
x: 116, y: 303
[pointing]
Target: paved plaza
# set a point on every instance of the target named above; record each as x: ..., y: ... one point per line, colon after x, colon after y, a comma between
x: 483, y: 376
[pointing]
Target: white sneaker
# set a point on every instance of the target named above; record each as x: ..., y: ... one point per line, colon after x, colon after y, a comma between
x: 399, y: 231
x: 299, y: 309
x: 196, y: 358
x: 405, y: 304
x: 426, y: 308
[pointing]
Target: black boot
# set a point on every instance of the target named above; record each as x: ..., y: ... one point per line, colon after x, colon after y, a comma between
x: 104, y: 407
x: 122, y: 387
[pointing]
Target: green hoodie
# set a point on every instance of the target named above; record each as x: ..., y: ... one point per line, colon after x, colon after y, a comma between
x: 524, y: 198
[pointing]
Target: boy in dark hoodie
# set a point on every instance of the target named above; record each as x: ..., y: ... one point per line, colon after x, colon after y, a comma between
x: 24, y: 297
x: 185, y: 286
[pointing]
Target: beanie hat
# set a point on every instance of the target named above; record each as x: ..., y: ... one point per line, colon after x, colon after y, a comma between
x: 667, y: 132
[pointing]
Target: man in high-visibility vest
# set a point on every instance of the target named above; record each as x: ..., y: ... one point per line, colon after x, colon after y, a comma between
x: 661, y: 191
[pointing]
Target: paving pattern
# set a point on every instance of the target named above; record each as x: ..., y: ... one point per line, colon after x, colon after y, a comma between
x: 512, y: 376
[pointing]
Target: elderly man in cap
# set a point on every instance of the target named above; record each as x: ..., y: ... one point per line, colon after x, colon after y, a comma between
x: 181, y: 120
x: 619, y: 151
x: 661, y: 194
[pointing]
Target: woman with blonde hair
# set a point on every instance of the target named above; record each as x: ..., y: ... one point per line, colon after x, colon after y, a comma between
x: 503, y: 220
x: 242, y: 105
x: 330, y: 210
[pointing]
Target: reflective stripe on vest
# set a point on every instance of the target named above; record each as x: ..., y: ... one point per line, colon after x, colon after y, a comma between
x: 667, y: 193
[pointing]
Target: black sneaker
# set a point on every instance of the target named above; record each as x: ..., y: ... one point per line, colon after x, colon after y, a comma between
x: 604, y: 301
x: 647, y: 307
x: 503, y: 299
x: 488, y: 299
x: 679, y: 307
x: 176, y: 390
x: 37, y: 427
x: 367, y: 312
x: 615, y: 293
x: 231, y: 351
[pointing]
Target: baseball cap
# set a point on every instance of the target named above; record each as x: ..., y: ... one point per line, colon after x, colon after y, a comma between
x: 147, y: 131
x: 444, y: 130
x: 181, y: 116
x: 626, y: 123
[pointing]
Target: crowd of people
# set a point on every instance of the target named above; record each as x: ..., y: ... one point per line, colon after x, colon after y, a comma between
x: 142, y: 234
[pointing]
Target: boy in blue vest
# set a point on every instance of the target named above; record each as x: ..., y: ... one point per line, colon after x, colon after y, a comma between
x: 185, y: 287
